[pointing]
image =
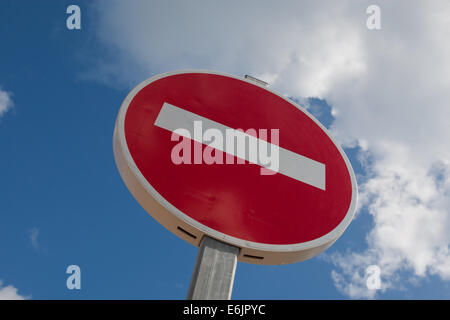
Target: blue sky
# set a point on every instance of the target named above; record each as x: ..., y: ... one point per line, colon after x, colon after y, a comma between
x: 63, y: 202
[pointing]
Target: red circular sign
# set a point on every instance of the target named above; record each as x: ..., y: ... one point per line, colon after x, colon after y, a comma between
x: 291, y: 213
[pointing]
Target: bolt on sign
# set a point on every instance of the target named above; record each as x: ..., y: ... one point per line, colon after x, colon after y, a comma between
x: 207, y: 153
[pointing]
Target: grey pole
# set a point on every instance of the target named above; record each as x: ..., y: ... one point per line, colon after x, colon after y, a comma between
x: 215, y: 267
x: 214, y: 271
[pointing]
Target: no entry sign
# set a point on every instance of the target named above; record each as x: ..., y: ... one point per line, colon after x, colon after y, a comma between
x: 212, y: 154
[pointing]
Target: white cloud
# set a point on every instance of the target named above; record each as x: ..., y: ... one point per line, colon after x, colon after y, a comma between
x: 410, y: 205
x: 10, y: 293
x: 389, y: 90
x: 276, y: 43
x: 399, y: 112
x: 5, y: 102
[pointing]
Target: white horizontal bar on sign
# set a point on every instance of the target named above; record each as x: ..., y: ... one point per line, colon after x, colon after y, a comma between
x: 291, y: 164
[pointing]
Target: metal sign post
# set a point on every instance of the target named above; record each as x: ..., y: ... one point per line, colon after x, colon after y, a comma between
x: 213, y: 275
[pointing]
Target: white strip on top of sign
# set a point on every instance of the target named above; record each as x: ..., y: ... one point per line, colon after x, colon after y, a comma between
x: 291, y: 164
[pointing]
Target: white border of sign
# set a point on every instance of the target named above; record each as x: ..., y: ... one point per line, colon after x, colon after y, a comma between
x: 191, y: 230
